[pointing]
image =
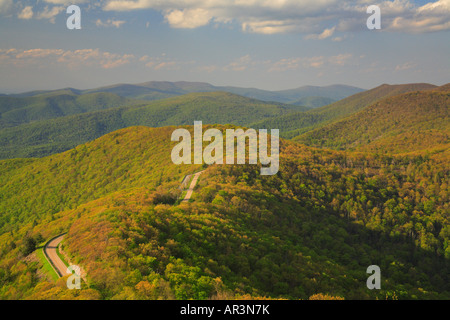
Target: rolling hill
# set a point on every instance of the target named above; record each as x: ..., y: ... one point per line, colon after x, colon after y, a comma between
x: 313, y: 102
x: 402, y: 123
x: 43, y: 106
x: 42, y: 138
x: 156, y: 90
x: 297, y: 124
x: 310, y: 230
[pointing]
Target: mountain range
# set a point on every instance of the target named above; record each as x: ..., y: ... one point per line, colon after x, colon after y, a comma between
x: 296, y: 124
x: 362, y: 181
x: 56, y: 134
x: 156, y: 90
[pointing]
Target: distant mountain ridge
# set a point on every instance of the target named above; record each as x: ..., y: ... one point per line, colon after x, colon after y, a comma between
x: 50, y: 122
x: 313, y: 102
x: 299, y: 123
x: 156, y: 90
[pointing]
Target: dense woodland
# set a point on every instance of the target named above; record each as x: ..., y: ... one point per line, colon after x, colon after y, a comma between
x: 308, y: 232
x: 404, y: 123
x: 295, y: 124
x: 61, y: 133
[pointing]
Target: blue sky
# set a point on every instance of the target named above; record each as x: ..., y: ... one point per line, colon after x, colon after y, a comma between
x: 267, y: 44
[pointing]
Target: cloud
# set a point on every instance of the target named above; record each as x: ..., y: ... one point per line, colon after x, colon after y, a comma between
x: 263, y: 16
x: 268, y: 26
x: 159, y: 63
x: 71, y: 58
x: 26, y: 13
x: 240, y: 64
x: 189, y: 18
x: 66, y: 2
x: 92, y: 57
x: 110, y: 23
x: 316, y: 62
x: 405, y: 66
x: 341, y: 59
x: 312, y: 17
x: 325, y: 34
x: 49, y: 13
x: 5, y: 5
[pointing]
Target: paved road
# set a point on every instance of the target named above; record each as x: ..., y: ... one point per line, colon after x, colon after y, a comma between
x: 185, y: 181
x: 190, y: 191
x: 50, y: 252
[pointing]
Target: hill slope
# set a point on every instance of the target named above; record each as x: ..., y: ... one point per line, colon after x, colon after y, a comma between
x: 313, y: 228
x: 403, y: 123
x: 296, y: 124
x: 15, y: 111
x: 42, y: 138
x: 313, y: 102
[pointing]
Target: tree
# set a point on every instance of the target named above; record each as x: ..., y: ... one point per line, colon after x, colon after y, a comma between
x: 29, y: 245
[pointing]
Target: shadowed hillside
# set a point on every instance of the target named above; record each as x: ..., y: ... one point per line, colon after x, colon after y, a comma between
x: 296, y: 124
x: 15, y: 111
x: 403, y: 123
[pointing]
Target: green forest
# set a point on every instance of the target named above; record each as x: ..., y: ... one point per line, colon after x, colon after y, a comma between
x: 365, y: 184
x: 59, y: 133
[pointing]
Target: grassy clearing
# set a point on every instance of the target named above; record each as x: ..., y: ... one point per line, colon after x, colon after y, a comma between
x: 46, y: 266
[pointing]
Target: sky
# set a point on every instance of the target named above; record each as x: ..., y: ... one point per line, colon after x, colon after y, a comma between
x: 266, y: 44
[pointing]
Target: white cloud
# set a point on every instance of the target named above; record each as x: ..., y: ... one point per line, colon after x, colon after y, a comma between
x: 312, y: 17
x: 49, y: 13
x: 324, y: 35
x: 189, y: 18
x: 159, y: 63
x: 268, y: 26
x: 26, y: 13
x: 109, y: 23
x: 70, y: 58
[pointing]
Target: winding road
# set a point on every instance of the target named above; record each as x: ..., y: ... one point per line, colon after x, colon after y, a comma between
x: 190, y: 191
x: 52, y: 256
x: 50, y: 249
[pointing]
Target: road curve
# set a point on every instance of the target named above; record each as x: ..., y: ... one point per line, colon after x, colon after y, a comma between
x: 190, y: 191
x: 52, y: 256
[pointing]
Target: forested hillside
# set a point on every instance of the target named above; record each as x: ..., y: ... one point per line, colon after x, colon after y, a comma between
x: 313, y: 102
x: 311, y: 229
x: 15, y: 111
x: 404, y: 123
x: 296, y: 124
x: 42, y: 138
